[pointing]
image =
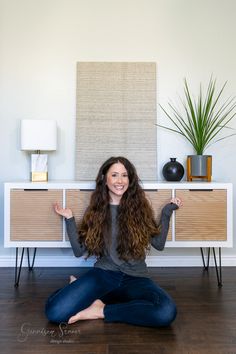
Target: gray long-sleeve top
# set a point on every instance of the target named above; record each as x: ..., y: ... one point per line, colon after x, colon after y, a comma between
x: 110, y: 260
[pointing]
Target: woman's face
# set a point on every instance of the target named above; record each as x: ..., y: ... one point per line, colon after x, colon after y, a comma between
x: 117, y: 181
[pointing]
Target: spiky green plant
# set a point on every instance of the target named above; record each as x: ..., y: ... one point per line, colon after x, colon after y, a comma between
x: 202, y: 118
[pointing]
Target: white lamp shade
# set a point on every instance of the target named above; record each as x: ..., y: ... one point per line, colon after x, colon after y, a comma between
x: 38, y: 134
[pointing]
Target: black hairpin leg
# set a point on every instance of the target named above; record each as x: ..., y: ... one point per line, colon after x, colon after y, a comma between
x: 206, y: 266
x: 17, y: 272
x: 218, y: 268
x: 30, y: 266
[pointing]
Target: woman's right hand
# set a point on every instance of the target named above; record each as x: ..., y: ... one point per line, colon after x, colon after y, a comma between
x: 65, y: 212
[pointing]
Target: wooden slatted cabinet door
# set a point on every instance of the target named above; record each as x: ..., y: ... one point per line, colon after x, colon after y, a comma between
x: 77, y: 200
x: 32, y: 217
x: 158, y: 199
x: 203, y: 216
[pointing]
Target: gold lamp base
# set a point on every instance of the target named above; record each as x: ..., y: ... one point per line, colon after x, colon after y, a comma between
x: 39, y: 176
x: 39, y: 167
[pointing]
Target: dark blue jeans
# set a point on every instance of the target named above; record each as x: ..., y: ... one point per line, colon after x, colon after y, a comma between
x: 129, y: 299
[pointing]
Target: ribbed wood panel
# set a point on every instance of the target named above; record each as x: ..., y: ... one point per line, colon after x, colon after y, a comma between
x: 203, y: 216
x: 116, y: 115
x: 78, y: 202
x: 33, y: 217
x: 158, y: 199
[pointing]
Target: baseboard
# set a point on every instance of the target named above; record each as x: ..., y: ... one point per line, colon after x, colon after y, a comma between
x: 152, y: 261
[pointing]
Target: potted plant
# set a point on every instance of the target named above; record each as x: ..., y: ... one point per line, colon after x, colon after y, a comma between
x: 200, y: 122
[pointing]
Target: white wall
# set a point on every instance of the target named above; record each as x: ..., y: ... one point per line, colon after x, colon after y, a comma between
x: 41, y: 41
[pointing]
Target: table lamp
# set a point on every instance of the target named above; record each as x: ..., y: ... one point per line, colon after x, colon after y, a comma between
x: 38, y: 135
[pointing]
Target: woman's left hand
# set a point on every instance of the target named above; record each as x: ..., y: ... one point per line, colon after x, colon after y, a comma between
x: 177, y: 201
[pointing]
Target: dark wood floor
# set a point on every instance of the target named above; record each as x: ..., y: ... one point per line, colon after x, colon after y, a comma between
x: 206, y: 321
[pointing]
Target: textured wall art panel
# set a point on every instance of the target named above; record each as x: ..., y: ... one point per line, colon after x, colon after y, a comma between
x: 116, y: 116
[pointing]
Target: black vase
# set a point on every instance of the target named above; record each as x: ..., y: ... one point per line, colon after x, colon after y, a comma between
x: 173, y: 170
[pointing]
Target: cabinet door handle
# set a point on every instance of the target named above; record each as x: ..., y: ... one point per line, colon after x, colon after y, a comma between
x: 201, y: 190
x: 36, y: 190
x: 150, y: 190
x: 86, y: 190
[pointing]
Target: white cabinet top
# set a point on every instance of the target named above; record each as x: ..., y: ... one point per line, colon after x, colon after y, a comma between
x: 152, y: 185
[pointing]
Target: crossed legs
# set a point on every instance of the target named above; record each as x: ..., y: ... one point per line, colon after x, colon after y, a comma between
x: 114, y: 296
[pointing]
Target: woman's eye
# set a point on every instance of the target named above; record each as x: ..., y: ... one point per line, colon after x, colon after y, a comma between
x: 116, y: 175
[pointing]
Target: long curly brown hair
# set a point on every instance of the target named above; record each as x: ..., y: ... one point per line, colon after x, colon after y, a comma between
x: 136, y: 223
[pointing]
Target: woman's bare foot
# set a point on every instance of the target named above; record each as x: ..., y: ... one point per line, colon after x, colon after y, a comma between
x: 72, y: 278
x: 93, y: 312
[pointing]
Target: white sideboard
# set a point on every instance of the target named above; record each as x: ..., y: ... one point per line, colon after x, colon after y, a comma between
x: 205, y: 220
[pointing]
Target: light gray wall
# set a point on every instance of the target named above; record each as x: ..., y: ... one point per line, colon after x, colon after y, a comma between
x: 41, y: 41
